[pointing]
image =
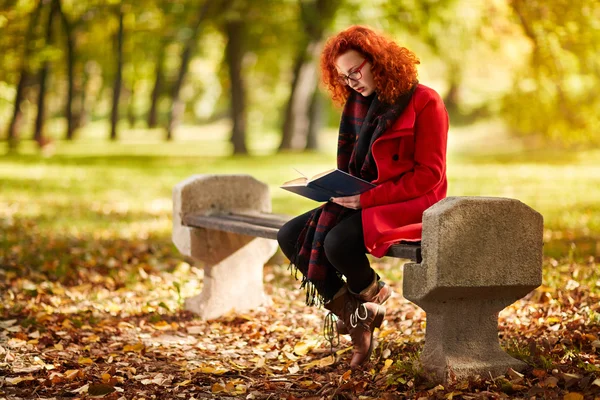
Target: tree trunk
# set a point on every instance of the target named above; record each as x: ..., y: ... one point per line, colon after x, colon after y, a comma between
x: 316, y: 121
x: 297, y: 118
x: 38, y: 134
x: 452, y: 97
x: 297, y: 124
x: 177, y: 106
x: 234, y: 54
x: 114, y: 118
x: 70, y: 44
x: 81, y: 115
x: 158, y: 80
x: 15, y: 122
x: 131, y: 117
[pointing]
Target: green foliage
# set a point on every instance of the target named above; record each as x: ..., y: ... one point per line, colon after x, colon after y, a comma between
x: 89, y: 185
x: 556, y: 97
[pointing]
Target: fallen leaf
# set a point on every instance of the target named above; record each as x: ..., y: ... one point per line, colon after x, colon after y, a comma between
x: 302, y: 348
x: 217, y: 388
x: 515, y: 376
x: 138, y: 347
x: 388, y: 363
x: 539, y: 373
x: 346, y: 376
x: 293, y: 369
x: 573, y: 396
x: 550, y: 382
x: 85, y: 360
x: 211, y: 370
x: 100, y: 389
x: 82, y: 389
x: 18, y: 379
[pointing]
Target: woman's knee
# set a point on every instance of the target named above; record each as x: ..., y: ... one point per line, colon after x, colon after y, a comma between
x: 286, y: 240
x: 340, y: 245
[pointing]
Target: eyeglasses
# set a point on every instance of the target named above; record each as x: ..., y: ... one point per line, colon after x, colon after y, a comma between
x: 353, y: 76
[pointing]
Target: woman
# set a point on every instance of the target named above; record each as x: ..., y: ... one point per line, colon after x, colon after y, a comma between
x: 393, y: 133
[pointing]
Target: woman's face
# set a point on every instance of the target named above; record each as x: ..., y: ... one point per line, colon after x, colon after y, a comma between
x: 355, y: 71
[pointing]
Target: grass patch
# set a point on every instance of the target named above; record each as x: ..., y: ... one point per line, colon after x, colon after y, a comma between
x: 124, y: 188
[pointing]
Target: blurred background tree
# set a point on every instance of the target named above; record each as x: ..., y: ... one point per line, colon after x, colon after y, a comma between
x: 159, y: 64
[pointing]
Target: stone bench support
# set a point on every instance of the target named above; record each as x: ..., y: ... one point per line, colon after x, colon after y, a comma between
x: 479, y: 256
x: 233, y: 263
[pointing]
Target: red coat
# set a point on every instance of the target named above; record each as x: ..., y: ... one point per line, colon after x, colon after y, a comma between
x: 411, y: 166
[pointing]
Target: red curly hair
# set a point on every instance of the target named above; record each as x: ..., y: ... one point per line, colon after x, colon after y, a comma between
x: 394, y: 68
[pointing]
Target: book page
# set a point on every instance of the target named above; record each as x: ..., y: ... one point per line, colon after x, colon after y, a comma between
x: 296, y: 182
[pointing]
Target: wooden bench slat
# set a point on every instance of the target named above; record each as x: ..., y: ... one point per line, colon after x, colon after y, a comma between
x: 244, y: 228
x: 267, y: 226
x: 270, y: 220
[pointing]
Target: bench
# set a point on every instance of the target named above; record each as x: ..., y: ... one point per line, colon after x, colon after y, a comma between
x: 477, y: 256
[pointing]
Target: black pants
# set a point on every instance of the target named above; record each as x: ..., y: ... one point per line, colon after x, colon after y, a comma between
x: 344, y: 248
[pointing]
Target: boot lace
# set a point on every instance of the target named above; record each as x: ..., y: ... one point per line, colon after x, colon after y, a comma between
x: 330, y: 331
x: 355, y: 316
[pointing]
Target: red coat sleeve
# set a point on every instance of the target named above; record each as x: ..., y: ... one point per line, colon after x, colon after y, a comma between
x: 431, y: 135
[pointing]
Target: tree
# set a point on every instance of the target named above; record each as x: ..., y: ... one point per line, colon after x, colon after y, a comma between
x: 114, y: 118
x: 24, y: 76
x: 177, y: 106
x: 556, y: 96
x: 234, y: 54
x: 316, y: 15
x: 70, y: 47
x: 38, y: 134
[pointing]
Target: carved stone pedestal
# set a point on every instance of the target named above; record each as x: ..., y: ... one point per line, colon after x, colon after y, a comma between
x: 479, y: 256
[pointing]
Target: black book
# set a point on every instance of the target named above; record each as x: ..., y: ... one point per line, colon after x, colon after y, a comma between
x: 328, y: 184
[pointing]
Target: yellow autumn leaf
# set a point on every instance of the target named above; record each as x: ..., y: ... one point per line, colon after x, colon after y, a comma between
x: 162, y: 325
x: 383, y: 333
x: 388, y: 363
x: 327, y: 361
x: 138, y: 347
x: 573, y: 396
x: 184, y: 383
x: 342, y: 351
x: 106, y: 377
x: 211, y: 370
x: 71, y: 374
x: 59, y: 346
x: 346, y: 376
x: 18, y: 379
x: 91, y: 339
x: 322, y: 362
x: 217, y: 388
x: 301, y: 348
x: 85, y: 360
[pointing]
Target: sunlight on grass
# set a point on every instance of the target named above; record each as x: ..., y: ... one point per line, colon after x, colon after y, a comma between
x: 125, y: 187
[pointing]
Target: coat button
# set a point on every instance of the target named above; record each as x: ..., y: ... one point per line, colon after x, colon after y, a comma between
x: 395, y: 157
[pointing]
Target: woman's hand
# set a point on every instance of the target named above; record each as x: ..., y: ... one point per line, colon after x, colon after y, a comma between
x: 352, y: 202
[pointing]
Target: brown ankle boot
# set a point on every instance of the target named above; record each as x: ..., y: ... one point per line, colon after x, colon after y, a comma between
x: 360, y: 319
x: 383, y: 293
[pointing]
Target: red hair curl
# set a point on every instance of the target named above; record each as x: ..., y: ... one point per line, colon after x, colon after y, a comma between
x: 394, y: 68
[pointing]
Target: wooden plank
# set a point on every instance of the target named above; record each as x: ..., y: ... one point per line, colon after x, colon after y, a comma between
x: 267, y: 225
x: 405, y: 250
x: 273, y: 221
x: 241, y: 227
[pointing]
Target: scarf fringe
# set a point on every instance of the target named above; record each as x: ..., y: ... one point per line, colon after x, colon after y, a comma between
x: 313, y: 297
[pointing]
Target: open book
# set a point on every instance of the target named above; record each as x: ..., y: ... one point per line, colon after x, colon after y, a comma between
x: 323, y: 186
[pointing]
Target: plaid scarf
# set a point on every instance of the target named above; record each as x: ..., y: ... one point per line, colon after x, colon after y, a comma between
x: 364, y: 119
